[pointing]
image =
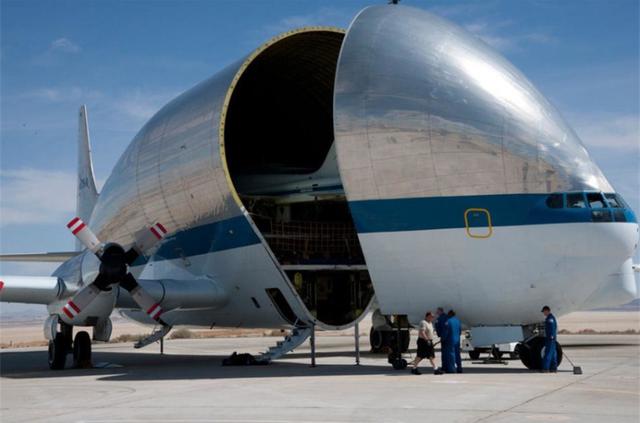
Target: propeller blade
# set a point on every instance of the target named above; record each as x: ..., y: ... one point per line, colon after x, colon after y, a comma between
x: 80, y: 301
x: 150, y: 237
x: 146, y: 302
x: 84, y: 234
x: 145, y: 240
x: 85, y: 296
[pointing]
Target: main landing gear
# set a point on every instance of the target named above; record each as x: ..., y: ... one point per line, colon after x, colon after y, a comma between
x: 532, y: 351
x: 63, y: 344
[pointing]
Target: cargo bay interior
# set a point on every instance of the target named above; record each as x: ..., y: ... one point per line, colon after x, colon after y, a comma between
x: 279, y: 125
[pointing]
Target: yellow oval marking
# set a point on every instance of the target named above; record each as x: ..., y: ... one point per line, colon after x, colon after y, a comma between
x: 489, y: 225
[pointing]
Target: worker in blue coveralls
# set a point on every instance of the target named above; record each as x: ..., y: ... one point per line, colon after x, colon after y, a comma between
x: 454, y: 333
x: 440, y: 327
x: 550, y: 359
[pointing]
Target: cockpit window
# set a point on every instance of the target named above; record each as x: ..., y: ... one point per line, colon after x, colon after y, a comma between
x: 576, y: 201
x: 555, y: 201
x: 595, y: 200
x: 615, y: 201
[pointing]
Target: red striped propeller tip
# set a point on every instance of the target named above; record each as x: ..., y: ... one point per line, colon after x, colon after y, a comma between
x: 158, y: 230
x: 73, y: 222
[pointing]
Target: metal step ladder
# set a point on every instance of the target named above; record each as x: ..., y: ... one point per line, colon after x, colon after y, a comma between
x: 289, y: 343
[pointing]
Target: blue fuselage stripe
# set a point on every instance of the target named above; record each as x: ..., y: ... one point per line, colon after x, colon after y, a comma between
x: 412, y: 214
x: 407, y: 214
x: 218, y: 236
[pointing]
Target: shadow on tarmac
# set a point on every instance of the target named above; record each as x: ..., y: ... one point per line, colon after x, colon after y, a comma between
x: 154, y: 366
x: 133, y: 366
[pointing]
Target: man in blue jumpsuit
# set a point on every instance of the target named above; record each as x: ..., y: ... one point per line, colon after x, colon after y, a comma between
x: 454, y: 332
x: 550, y: 359
x: 440, y: 327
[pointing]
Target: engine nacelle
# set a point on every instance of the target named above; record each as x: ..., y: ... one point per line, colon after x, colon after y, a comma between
x: 174, y: 294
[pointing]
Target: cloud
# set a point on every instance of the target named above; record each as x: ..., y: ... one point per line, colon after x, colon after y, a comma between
x: 57, y: 51
x: 328, y: 16
x: 64, y: 45
x: 32, y: 196
x: 125, y: 109
x: 614, y: 132
x: 613, y: 141
x: 462, y: 9
x: 139, y: 105
x: 493, y: 33
x: 63, y: 94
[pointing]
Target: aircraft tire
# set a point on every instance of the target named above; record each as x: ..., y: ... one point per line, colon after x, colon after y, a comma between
x: 400, y: 364
x: 531, y: 353
x: 82, y: 350
x: 57, y: 353
x: 558, y: 353
x: 383, y: 340
x: 474, y: 354
x: 376, y: 340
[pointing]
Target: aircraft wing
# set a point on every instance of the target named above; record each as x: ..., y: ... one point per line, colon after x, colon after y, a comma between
x: 31, y: 289
x: 40, y: 257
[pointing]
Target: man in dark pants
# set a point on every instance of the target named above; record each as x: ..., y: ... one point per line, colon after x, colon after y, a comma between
x: 550, y: 359
x: 455, y: 331
x: 425, y: 345
x: 440, y: 331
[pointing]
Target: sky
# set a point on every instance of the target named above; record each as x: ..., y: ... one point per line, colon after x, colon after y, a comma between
x: 125, y: 59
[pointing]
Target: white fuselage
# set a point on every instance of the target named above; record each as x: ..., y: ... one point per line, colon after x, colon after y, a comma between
x: 506, y: 278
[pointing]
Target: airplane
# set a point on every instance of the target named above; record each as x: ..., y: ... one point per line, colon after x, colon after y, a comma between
x: 395, y: 167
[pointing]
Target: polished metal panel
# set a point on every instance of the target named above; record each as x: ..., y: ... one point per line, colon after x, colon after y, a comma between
x: 423, y: 108
x: 171, y: 172
x: 184, y: 294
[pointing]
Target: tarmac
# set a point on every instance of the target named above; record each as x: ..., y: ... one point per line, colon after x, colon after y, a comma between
x: 188, y: 384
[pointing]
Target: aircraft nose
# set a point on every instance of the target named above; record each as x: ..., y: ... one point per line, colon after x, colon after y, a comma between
x: 622, y: 239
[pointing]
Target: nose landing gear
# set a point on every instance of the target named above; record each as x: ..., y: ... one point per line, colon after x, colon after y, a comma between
x: 532, y: 351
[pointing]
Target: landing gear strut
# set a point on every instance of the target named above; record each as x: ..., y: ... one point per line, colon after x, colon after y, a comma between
x: 398, y: 344
x: 532, y: 351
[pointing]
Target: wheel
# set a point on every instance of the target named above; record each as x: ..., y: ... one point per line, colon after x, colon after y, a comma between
x: 532, y: 352
x: 496, y: 353
x: 58, y: 349
x: 558, y: 354
x: 383, y: 340
x: 529, y: 353
x: 474, y: 354
x: 82, y: 350
x: 376, y: 340
x: 399, y: 364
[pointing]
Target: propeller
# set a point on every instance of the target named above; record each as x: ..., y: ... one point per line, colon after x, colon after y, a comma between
x: 114, y: 269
